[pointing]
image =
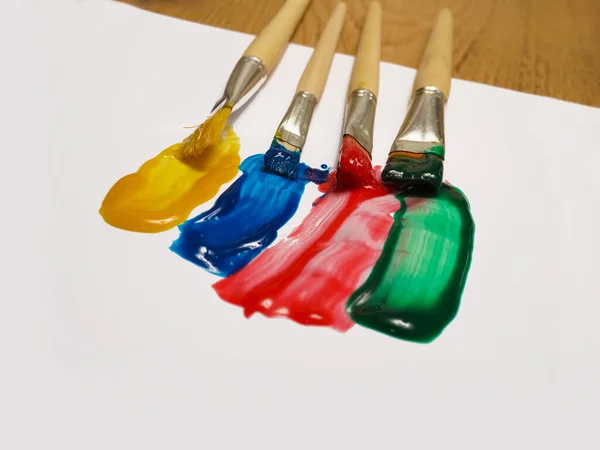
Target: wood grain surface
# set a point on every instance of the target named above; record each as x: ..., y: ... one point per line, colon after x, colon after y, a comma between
x: 544, y: 47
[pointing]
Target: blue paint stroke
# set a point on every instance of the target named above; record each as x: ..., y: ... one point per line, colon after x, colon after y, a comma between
x: 245, y: 218
x: 282, y: 161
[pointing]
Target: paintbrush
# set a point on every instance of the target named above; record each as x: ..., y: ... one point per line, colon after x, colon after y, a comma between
x: 283, y: 156
x: 250, y: 72
x: 416, y: 159
x: 355, y: 153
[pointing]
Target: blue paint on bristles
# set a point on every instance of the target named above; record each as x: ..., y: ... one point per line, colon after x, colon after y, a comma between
x: 282, y: 161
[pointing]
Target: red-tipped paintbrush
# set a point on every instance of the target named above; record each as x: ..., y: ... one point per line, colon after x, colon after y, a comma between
x: 354, y: 164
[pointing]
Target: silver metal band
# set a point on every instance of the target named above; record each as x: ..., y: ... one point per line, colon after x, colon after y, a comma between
x: 293, y: 129
x: 360, y: 117
x: 246, y: 78
x: 423, y: 128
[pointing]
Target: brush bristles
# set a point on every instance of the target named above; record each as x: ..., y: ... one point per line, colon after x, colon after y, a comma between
x: 205, y: 135
x: 281, y: 160
x: 354, y: 167
x: 416, y: 172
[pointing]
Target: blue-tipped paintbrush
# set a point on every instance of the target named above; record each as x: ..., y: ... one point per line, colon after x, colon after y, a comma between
x: 284, y: 155
x: 416, y: 159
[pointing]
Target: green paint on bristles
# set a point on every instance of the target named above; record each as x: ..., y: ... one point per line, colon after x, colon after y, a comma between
x: 437, y: 150
x: 422, y: 172
x: 414, y: 289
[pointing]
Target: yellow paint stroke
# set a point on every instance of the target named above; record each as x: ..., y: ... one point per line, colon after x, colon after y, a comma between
x: 165, y: 190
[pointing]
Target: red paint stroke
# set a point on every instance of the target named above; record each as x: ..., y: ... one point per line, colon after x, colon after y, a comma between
x: 308, y: 276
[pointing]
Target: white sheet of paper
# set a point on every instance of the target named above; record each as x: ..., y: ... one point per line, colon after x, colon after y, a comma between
x: 119, y: 343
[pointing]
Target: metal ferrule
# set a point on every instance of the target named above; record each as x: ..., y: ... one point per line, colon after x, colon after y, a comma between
x: 293, y: 129
x: 423, y: 128
x: 246, y: 78
x: 360, y: 117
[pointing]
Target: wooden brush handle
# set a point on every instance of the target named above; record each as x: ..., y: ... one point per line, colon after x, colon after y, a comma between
x: 365, y: 73
x: 271, y: 42
x: 435, y: 68
x: 316, y: 72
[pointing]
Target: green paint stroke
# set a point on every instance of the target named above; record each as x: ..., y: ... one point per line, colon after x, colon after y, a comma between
x: 414, y: 290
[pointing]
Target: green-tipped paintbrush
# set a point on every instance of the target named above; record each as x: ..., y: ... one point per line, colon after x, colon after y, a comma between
x: 416, y: 159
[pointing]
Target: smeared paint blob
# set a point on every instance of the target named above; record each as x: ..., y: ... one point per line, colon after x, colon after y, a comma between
x: 308, y: 276
x: 282, y: 161
x: 414, y: 290
x: 165, y: 190
x: 245, y: 219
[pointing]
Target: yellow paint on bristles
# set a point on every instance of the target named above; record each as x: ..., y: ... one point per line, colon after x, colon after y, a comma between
x: 165, y: 189
x: 205, y: 135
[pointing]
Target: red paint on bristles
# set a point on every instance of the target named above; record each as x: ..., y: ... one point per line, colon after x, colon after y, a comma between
x: 355, y: 169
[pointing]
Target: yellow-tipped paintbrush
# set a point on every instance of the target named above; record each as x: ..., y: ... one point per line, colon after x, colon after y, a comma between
x: 416, y: 159
x: 261, y: 56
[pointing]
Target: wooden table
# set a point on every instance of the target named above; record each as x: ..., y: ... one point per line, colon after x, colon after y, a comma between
x: 545, y: 47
